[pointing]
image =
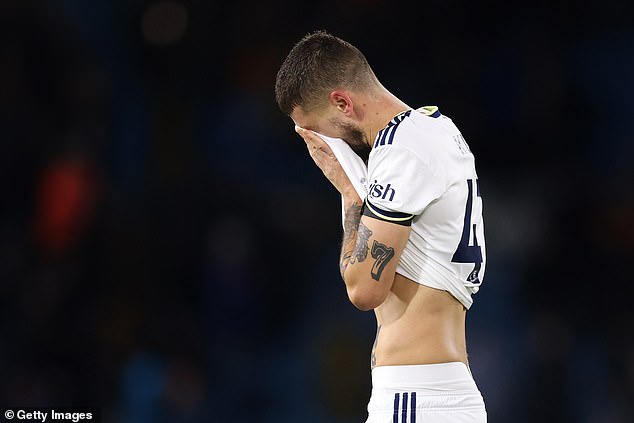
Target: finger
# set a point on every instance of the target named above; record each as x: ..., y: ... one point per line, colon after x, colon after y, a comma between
x: 326, y: 163
x: 318, y: 157
x: 305, y: 136
x: 321, y: 156
x: 316, y: 140
x: 311, y: 138
x: 301, y: 131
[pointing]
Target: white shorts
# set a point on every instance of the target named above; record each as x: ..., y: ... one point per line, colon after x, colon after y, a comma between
x: 430, y: 393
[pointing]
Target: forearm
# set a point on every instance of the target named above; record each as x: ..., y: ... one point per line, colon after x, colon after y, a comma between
x: 362, y: 292
x: 370, y: 251
x: 367, y: 281
x: 349, y: 254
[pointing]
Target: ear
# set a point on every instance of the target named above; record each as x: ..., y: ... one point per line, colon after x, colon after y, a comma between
x: 342, y: 101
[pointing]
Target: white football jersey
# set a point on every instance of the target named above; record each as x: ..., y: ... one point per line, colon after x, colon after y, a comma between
x: 422, y: 172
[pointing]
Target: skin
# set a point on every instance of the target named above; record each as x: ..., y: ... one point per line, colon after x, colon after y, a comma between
x: 415, y: 324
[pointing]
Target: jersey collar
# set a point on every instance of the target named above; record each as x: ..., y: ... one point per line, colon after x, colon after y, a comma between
x: 386, y: 134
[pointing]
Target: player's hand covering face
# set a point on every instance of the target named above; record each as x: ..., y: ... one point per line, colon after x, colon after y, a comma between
x: 325, y: 159
x: 371, y: 248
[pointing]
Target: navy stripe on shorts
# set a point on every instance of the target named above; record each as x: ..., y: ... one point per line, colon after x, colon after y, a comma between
x: 403, y: 408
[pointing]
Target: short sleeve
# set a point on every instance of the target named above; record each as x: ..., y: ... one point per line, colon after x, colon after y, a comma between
x: 400, y: 184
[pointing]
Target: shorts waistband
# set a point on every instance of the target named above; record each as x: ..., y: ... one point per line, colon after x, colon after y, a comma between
x: 441, y: 377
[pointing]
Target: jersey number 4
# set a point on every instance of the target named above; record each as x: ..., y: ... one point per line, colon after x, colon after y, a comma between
x: 466, y: 253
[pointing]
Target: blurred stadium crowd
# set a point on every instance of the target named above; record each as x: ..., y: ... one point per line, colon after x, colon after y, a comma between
x: 168, y: 252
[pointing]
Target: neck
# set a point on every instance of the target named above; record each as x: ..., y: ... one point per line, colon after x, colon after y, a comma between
x: 379, y: 111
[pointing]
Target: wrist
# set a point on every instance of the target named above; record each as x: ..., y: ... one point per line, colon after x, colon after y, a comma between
x: 351, y: 198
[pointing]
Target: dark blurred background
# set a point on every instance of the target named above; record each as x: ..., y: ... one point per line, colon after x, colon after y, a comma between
x: 168, y: 251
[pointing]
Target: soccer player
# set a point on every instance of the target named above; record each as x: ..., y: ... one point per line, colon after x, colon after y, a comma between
x: 413, y: 249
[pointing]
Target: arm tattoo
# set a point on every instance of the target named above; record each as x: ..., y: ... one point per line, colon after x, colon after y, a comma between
x: 361, y: 248
x: 373, y: 355
x: 382, y: 255
x: 350, y: 227
x: 351, y: 222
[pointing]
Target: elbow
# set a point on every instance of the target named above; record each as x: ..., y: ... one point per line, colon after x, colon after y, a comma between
x: 365, y: 300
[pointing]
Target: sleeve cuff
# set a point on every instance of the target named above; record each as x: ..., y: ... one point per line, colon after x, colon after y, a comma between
x: 403, y: 219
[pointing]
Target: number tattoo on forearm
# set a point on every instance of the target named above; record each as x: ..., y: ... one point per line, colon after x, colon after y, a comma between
x: 354, y: 228
x: 382, y: 255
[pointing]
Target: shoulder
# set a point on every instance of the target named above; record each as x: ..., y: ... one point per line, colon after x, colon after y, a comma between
x: 423, y: 143
x: 426, y: 122
x: 425, y: 132
x: 408, y: 135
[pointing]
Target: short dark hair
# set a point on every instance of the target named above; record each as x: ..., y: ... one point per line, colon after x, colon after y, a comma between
x: 318, y: 64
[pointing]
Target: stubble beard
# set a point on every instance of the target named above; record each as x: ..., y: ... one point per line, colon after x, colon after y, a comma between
x: 355, y: 138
